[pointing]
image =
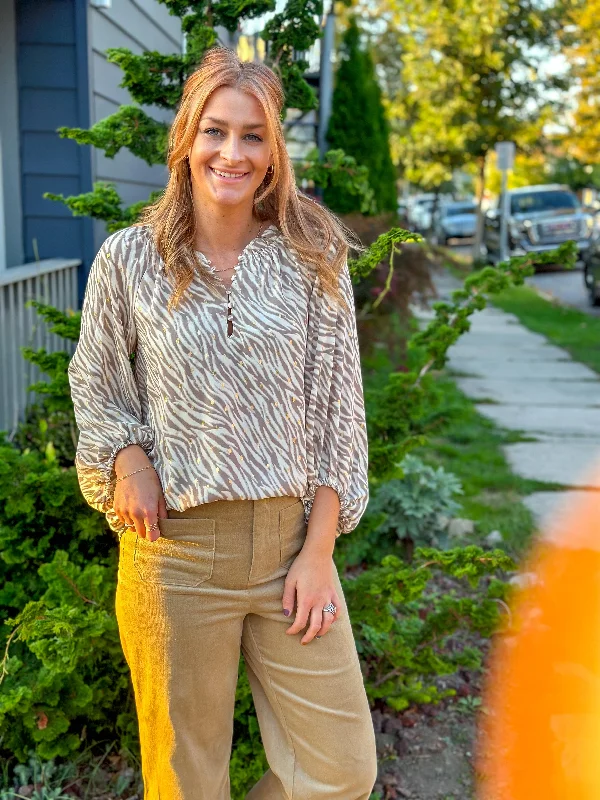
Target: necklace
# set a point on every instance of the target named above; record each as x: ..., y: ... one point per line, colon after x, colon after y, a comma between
x: 226, y: 269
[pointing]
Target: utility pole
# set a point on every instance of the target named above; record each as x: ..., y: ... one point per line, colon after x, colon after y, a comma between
x: 505, y: 153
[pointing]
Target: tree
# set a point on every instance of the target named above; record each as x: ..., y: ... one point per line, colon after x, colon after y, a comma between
x: 471, y: 74
x: 359, y: 127
x: 582, y: 39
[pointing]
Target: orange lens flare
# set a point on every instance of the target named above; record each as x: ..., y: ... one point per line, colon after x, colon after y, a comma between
x: 540, y: 733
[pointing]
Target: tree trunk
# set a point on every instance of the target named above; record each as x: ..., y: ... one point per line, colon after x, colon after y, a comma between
x: 479, y: 226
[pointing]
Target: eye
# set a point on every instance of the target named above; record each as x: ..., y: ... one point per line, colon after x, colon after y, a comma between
x: 209, y: 132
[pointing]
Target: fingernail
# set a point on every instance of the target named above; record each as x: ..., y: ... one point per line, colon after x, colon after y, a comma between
x: 286, y: 612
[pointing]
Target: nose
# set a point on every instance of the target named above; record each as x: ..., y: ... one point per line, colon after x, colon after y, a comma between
x: 230, y: 151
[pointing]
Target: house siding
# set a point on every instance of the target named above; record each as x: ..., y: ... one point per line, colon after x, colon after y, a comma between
x: 51, y: 40
x: 11, y: 238
x: 138, y: 25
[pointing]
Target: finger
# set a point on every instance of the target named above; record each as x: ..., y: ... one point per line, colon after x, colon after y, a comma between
x: 139, y: 520
x: 126, y: 518
x: 288, y: 598
x: 316, y: 623
x: 300, y: 619
x: 151, y: 526
x: 162, y: 507
x: 328, y: 620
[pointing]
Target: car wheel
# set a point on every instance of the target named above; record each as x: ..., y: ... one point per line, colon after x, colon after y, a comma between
x: 590, y: 285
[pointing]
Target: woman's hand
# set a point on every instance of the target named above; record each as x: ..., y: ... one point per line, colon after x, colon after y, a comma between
x: 138, y: 500
x: 309, y: 583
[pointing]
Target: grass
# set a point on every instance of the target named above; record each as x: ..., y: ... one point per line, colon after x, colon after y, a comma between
x: 577, y: 332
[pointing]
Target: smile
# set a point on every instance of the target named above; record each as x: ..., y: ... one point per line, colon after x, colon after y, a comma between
x: 229, y: 177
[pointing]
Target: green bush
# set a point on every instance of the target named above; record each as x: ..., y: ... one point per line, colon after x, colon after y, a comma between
x: 402, y: 625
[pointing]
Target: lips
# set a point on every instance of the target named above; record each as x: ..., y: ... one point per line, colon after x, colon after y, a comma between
x: 237, y: 178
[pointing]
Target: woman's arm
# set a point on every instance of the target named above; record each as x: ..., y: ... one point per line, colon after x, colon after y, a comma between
x: 103, y: 389
x: 323, y: 522
x: 338, y: 489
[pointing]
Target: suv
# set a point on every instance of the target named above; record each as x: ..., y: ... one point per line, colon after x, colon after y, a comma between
x: 540, y: 218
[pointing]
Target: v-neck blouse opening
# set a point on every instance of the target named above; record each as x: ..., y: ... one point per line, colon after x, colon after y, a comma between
x: 258, y: 238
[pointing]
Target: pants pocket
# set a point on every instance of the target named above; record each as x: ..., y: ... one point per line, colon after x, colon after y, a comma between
x: 183, y: 555
x: 292, y: 532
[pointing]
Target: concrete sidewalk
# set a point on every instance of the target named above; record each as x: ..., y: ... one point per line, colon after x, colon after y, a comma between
x: 524, y: 383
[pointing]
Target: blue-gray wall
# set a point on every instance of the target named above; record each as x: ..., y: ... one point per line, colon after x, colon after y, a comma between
x: 10, y: 160
x: 138, y: 25
x: 52, y: 68
x: 65, y: 79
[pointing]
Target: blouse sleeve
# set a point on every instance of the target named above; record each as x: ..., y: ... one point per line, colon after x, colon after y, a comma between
x: 103, y: 388
x: 336, y: 428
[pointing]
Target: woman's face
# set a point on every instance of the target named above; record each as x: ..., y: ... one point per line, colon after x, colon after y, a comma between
x: 232, y: 137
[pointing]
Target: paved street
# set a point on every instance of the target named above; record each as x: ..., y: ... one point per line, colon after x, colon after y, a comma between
x: 526, y: 384
x: 567, y: 287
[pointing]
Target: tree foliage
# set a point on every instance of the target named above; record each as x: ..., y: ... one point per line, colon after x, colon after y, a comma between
x: 471, y: 74
x: 581, y: 36
x: 358, y: 126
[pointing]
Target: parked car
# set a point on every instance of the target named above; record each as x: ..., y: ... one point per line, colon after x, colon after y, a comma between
x: 591, y: 264
x: 422, y: 208
x: 539, y: 219
x: 402, y: 210
x: 455, y: 221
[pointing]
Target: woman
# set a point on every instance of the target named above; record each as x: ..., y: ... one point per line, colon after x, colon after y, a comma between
x: 230, y: 455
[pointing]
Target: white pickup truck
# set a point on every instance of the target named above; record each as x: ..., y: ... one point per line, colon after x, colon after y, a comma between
x: 540, y: 218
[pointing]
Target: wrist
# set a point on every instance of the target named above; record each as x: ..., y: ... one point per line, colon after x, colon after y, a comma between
x: 320, y: 541
x: 130, y: 458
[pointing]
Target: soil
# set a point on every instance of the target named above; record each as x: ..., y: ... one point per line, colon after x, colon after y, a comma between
x: 426, y: 755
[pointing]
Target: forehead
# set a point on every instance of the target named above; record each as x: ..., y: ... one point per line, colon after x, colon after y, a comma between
x: 233, y: 105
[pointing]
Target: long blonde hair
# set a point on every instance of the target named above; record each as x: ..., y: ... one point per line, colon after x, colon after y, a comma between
x: 316, y: 234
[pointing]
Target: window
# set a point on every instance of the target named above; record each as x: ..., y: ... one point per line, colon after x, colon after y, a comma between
x: 551, y: 200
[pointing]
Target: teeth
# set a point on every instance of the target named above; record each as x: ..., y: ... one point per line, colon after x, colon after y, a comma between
x: 228, y: 174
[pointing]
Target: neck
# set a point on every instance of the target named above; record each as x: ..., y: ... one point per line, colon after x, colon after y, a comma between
x: 225, y: 232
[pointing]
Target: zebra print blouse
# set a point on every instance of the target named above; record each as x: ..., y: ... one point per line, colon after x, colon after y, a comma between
x: 249, y: 393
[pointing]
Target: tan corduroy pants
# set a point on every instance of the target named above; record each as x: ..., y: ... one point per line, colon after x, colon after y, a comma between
x: 186, y: 604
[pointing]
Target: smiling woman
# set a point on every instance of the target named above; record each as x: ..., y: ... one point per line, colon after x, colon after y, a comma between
x: 232, y: 455
x: 228, y: 151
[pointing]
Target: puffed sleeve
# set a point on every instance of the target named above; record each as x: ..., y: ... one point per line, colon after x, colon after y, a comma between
x: 337, y: 449
x: 103, y: 388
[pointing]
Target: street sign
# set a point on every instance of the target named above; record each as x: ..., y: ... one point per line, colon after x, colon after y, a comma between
x: 505, y: 153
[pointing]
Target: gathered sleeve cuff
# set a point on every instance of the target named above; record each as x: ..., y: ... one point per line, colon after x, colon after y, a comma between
x: 103, y: 388
x: 337, y: 443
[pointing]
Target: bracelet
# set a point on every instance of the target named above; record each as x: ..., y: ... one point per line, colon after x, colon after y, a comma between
x: 134, y: 472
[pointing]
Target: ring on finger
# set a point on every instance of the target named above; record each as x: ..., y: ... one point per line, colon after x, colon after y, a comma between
x: 153, y: 527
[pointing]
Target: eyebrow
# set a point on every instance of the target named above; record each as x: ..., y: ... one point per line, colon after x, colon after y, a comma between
x: 225, y: 123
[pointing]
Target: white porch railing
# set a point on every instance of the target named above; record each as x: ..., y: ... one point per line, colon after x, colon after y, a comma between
x: 52, y: 281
